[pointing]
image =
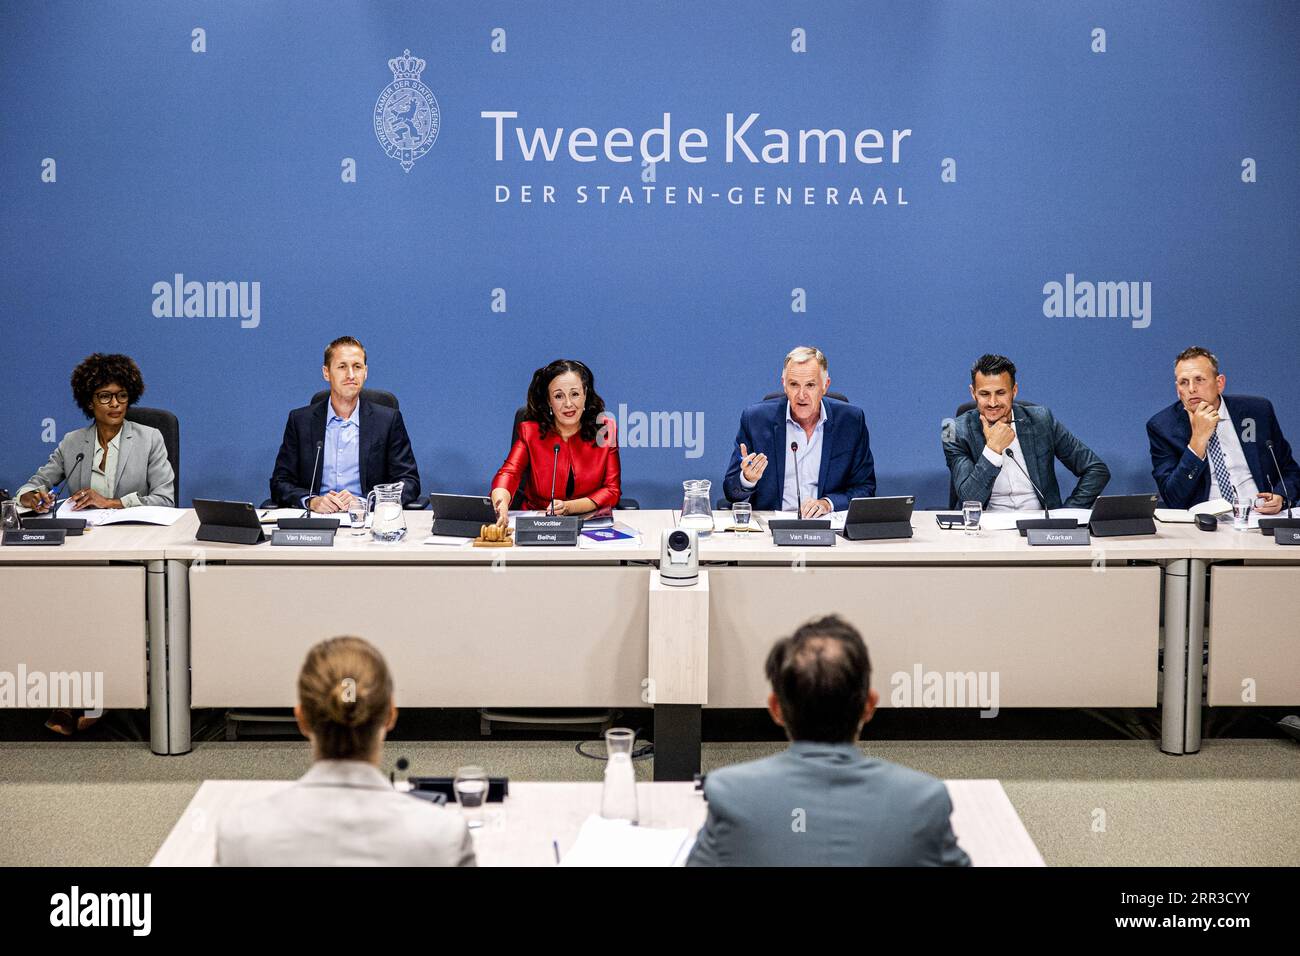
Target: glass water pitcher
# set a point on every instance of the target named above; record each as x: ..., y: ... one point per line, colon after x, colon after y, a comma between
x: 385, y: 504
x: 618, y: 796
x: 697, y: 510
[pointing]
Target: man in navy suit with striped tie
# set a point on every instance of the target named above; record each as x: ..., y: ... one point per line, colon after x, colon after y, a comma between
x: 1209, y: 445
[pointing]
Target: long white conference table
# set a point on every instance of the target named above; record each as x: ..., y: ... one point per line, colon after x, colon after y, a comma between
x: 537, y: 819
x: 174, y: 623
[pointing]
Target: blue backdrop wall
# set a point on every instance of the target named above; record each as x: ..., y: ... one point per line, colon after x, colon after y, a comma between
x: 217, y: 141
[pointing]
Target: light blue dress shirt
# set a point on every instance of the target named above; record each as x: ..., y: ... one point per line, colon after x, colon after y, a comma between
x: 341, y: 468
x: 810, y: 461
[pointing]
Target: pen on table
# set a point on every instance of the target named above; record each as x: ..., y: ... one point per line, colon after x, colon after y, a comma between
x: 555, y: 845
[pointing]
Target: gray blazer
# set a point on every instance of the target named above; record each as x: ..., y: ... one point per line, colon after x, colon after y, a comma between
x: 142, y: 465
x: 1044, y: 441
x: 825, y: 805
x: 343, y: 813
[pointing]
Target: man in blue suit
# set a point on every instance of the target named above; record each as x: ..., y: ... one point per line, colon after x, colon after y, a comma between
x: 980, y: 441
x: 821, y: 441
x: 362, y: 444
x: 1209, y: 445
x: 822, y: 802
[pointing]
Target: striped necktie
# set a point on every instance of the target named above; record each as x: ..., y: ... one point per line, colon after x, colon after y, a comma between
x: 1222, y: 476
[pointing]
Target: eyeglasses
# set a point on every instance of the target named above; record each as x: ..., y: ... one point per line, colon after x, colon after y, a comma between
x: 111, y: 398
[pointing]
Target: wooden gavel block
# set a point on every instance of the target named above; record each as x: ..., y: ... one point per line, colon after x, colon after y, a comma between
x: 493, y: 536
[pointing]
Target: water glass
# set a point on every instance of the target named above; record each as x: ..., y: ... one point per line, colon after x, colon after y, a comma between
x: 971, y: 512
x: 741, y: 513
x: 1241, y: 513
x: 357, y: 512
x: 471, y: 786
x: 9, y: 514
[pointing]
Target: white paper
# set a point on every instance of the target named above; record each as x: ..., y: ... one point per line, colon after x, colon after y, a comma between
x: 145, y: 514
x: 1174, y: 516
x: 448, y: 541
x: 345, y: 519
x: 604, y: 842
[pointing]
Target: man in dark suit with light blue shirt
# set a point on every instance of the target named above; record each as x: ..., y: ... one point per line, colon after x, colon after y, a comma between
x: 820, y: 447
x: 1209, y: 445
x: 822, y: 802
x: 362, y: 444
x: 978, y: 444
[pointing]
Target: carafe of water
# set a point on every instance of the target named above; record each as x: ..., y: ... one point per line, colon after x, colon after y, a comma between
x: 697, y: 512
x: 618, y: 796
x: 385, y: 504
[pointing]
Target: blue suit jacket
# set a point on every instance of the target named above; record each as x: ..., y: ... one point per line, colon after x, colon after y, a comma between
x: 1184, y: 480
x: 1043, y: 440
x: 385, y: 453
x: 847, y: 469
x: 825, y: 805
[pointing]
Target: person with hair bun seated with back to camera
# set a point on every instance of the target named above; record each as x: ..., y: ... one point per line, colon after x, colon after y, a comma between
x: 343, y: 812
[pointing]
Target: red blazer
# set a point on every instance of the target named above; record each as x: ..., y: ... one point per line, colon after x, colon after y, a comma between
x: 594, y: 464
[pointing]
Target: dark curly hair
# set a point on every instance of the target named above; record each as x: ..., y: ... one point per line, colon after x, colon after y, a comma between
x: 99, y: 370
x: 539, y: 405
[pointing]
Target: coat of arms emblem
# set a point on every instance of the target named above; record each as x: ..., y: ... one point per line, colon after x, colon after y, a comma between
x: 406, y: 114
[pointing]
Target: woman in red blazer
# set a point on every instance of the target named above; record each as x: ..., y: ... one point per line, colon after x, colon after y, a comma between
x: 565, y: 413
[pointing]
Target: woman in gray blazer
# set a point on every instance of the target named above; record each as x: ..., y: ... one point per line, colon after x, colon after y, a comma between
x: 111, y: 463
x: 343, y: 811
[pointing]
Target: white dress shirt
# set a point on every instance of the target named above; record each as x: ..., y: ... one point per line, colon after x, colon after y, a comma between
x: 810, y: 462
x: 1238, y: 469
x: 1012, y: 489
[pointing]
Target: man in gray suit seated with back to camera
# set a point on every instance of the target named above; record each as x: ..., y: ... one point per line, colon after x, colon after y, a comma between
x: 822, y: 802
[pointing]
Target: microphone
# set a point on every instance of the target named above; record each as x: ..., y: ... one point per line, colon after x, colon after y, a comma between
x: 1041, y: 500
x: 402, y: 765
x: 54, y: 492
x: 311, y: 490
x: 1280, y: 476
x: 555, y: 467
x: 798, y: 485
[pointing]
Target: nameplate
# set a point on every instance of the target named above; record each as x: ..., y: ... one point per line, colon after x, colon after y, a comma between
x: 51, y: 536
x: 560, y: 538
x: 548, y: 523
x: 1280, y: 535
x: 803, y: 537
x: 1057, y: 536
x: 302, y: 539
x: 547, y: 530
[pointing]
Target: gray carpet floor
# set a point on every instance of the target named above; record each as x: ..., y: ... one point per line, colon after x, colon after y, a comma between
x: 1085, y: 803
